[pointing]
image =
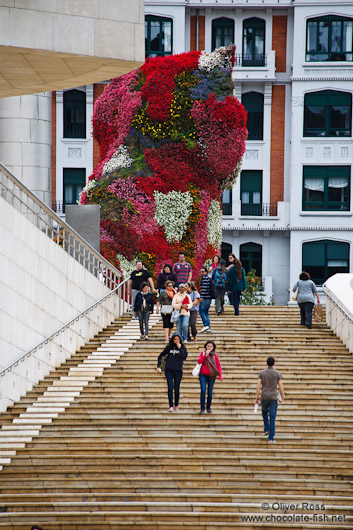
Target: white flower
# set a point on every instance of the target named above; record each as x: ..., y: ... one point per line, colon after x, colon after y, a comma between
x: 172, y: 212
x: 119, y: 160
x: 87, y: 189
x: 214, y: 224
x: 126, y: 266
x: 219, y: 58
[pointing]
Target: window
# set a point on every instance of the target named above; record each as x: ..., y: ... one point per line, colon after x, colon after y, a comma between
x: 254, y: 104
x: 251, y: 192
x: 251, y: 257
x: 328, y: 113
x: 329, y: 39
x: 222, y: 32
x: 227, y: 202
x: 74, y: 182
x: 158, y: 36
x: 226, y: 249
x: 326, y: 188
x: 322, y: 259
x: 254, y: 42
x: 74, y: 114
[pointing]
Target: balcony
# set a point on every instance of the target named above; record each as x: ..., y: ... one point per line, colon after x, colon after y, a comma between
x: 227, y: 208
x: 59, y: 206
x: 254, y: 67
x: 259, y: 210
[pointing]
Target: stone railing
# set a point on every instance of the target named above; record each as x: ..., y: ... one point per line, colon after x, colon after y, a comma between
x: 339, y: 307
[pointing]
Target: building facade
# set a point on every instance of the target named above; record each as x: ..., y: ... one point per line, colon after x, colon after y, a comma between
x: 291, y: 207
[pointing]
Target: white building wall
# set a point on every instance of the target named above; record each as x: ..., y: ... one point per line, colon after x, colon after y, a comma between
x: 25, y: 141
x: 41, y: 286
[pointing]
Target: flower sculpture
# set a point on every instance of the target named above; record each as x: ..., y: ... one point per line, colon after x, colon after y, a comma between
x: 171, y: 139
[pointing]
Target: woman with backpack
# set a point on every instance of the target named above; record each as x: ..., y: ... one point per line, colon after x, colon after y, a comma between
x: 144, y: 308
x: 174, y: 356
x: 220, y: 278
x: 164, y: 305
x: 210, y: 369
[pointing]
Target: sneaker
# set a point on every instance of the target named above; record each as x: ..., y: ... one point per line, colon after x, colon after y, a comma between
x: 134, y: 318
x: 271, y: 441
x: 205, y: 328
x: 202, y: 411
x: 171, y: 409
x: 195, y: 339
x: 176, y: 409
x: 142, y: 336
x: 146, y: 338
x: 209, y: 411
x: 210, y: 330
x: 265, y: 433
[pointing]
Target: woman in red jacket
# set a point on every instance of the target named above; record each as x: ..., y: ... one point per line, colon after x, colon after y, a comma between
x: 210, y: 369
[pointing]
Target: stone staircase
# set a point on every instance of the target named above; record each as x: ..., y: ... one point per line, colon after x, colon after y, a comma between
x: 93, y: 447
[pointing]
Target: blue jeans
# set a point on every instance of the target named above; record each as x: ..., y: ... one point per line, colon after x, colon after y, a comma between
x: 143, y: 319
x: 269, y: 411
x: 203, y: 310
x: 173, y: 381
x: 236, y: 301
x: 209, y: 381
x: 183, y: 326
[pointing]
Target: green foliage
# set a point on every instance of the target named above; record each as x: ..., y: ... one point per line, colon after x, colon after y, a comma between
x: 253, y: 294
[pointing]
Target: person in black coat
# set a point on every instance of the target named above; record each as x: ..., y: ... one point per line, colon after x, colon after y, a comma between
x: 144, y: 308
x: 166, y: 274
x: 175, y: 353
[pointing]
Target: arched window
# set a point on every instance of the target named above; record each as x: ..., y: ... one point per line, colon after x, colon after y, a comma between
x: 74, y: 114
x: 158, y: 36
x: 222, y: 32
x: 251, y: 257
x: 328, y: 113
x: 329, y: 38
x: 322, y: 259
x: 254, y: 42
x: 254, y: 104
x: 226, y: 249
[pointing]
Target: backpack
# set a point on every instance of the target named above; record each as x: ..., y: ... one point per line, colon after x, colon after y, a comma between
x: 220, y: 279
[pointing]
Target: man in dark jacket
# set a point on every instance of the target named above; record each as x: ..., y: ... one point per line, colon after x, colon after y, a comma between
x: 205, y: 300
x: 220, y: 279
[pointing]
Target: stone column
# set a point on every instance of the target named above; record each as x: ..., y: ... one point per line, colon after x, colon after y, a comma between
x: 25, y: 141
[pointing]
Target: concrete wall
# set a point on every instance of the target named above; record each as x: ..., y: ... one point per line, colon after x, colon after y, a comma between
x: 339, y: 307
x: 41, y: 286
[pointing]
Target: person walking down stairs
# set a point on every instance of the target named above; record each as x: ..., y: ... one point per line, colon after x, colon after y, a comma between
x: 210, y: 369
x: 205, y: 300
x: 268, y: 381
x: 220, y: 280
x: 144, y: 308
x: 174, y: 355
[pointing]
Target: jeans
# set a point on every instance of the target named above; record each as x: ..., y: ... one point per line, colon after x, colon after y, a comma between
x: 173, y: 380
x: 219, y: 302
x: 209, y: 381
x: 306, y: 313
x: 183, y: 326
x: 236, y: 301
x: 133, y: 296
x: 269, y: 411
x: 143, y: 319
x: 203, y: 310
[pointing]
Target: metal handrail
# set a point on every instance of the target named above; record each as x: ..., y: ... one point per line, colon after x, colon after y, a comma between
x: 122, y: 295
x: 36, y: 211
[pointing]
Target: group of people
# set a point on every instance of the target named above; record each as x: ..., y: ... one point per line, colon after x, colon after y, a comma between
x: 179, y: 301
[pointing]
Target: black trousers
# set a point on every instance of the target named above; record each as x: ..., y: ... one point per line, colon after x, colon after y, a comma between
x: 306, y: 313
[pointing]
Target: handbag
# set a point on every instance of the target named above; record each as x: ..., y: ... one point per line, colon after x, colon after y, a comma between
x: 295, y: 295
x: 163, y: 362
x: 166, y: 310
x: 318, y: 313
x: 175, y: 315
x: 196, y: 370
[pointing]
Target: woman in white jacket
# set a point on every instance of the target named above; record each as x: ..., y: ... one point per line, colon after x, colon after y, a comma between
x: 182, y: 302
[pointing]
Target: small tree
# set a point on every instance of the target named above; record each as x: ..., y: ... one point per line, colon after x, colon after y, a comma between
x: 253, y: 294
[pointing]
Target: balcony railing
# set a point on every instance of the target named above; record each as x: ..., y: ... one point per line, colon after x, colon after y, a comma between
x: 59, y: 206
x: 227, y: 208
x: 257, y: 60
x: 261, y: 210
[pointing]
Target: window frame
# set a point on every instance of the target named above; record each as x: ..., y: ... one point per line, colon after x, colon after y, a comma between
x: 161, y: 52
x: 69, y: 108
x: 258, y: 248
x: 251, y: 208
x: 327, y: 99
x: 252, y: 59
x: 251, y: 109
x: 332, y: 56
x: 325, y: 250
x: 75, y: 177
x: 325, y: 173
x: 227, y: 206
x: 222, y: 22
